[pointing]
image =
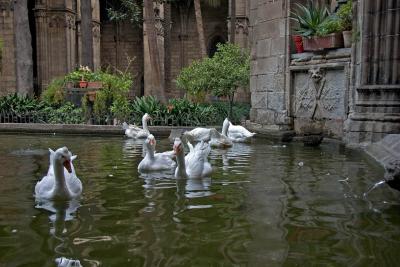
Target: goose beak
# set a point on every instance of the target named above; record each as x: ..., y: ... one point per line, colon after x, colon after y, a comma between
x: 67, y: 165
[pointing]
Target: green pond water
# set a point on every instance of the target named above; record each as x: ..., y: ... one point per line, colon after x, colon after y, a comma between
x: 266, y: 204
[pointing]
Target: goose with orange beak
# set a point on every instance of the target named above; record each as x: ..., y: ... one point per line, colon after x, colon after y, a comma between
x: 195, y: 164
x: 154, y: 161
x: 61, y: 182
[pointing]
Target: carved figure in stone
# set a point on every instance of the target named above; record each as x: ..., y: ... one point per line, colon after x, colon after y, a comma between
x: 317, y: 96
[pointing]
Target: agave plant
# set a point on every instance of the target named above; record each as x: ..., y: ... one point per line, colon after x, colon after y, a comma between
x: 309, y: 18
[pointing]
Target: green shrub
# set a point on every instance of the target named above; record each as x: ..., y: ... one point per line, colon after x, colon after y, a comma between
x: 16, y: 104
x: 330, y: 25
x: 67, y: 114
x: 54, y: 93
x: 345, y: 13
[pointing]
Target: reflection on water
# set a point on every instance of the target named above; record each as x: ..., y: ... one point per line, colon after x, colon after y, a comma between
x: 260, y: 207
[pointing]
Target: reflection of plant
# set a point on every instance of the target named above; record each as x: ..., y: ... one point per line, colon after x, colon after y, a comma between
x: 345, y: 14
x: 309, y: 18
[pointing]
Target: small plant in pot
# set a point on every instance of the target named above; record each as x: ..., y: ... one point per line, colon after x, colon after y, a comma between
x: 318, y: 27
x: 345, y: 14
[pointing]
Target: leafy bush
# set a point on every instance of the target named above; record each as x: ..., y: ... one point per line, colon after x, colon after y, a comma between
x: 67, y: 113
x: 330, y: 25
x: 16, y: 104
x: 220, y: 75
x: 54, y: 93
x: 345, y: 14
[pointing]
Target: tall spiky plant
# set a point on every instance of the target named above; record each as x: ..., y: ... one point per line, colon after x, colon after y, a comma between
x: 309, y: 18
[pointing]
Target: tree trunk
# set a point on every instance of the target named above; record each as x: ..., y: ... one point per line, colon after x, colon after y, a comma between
x: 87, y: 33
x: 23, y: 49
x: 149, y: 19
x: 200, y: 29
x: 231, y: 97
x: 233, y: 22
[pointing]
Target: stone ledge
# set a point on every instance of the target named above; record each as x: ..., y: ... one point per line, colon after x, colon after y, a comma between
x: 82, y: 129
x: 270, y: 131
x: 386, y: 150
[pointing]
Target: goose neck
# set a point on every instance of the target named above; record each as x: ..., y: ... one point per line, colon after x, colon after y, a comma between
x: 60, y: 186
x: 181, y: 166
x: 144, y: 124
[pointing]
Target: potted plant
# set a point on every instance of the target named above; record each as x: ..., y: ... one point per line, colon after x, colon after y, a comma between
x: 319, y: 29
x: 345, y: 14
x: 298, y: 42
x: 83, y: 83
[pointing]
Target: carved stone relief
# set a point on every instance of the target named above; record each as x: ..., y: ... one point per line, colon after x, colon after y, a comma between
x: 319, y: 94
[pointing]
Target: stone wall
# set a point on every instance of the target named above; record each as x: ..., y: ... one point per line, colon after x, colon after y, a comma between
x: 184, y: 38
x: 375, y: 96
x: 319, y: 91
x: 7, y: 74
x: 269, y: 31
x: 122, y: 49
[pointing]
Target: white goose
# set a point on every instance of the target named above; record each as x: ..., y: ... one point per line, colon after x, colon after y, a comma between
x: 154, y: 161
x: 238, y: 133
x: 195, y: 164
x: 217, y: 140
x: 59, y: 184
x: 221, y: 140
x: 134, y: 131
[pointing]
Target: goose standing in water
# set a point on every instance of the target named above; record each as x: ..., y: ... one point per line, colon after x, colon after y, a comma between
x: 238, y: 133
x: 195, y: 164
x: 58, y: 183
x: 154, y: 161
x: 134, y: 131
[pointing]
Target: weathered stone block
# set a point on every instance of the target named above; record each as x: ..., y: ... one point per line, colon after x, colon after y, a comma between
x: 267, y: 29
x: 278, y: 46
x: 263, y: 48
x: 258, y: 100
x: 267, y: 65
x: 265, y: 82
x: 275, y: 101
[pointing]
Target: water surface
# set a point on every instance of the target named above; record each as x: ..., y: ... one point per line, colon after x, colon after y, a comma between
x: 266, y: 204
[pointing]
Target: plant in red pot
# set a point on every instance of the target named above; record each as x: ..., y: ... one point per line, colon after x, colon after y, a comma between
x: 318, y: 28
x: 298, y: 42
x: 83, y: 83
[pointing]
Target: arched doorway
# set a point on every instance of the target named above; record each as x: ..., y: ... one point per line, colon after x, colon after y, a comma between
x: 212, y: 44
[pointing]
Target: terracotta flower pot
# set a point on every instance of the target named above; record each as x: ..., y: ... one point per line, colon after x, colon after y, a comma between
x: 315, y: 43
x: 83, y: 84
x: 347, y: 38
x: 94, y: 85
x: 298, y: 42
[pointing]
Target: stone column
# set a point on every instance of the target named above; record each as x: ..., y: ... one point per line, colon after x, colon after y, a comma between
x: 86, y: 33
x: 269, y: 51
x: 96, y: 31
x: 241, y: 23
x: 56, y: 40
x: 151, y: 86
x: 375, y: 108
x: 7, y: 68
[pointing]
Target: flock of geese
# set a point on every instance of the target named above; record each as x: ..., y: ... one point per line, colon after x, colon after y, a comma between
x: 61, y: 181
